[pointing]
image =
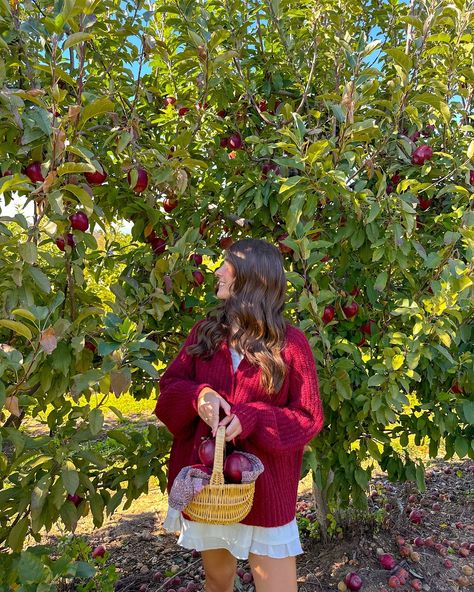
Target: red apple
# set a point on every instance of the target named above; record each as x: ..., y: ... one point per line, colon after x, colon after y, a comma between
x: 198, y: 278
x: 419, y: 542
x: 170, y: 101
x: 235, y: 464
x: 61, y: 242
x: 448, y: 564
x: 396, y: 178
x: 142, y: 180
x: 170, y: 204
x: 415, y: 136
x: 416, y: 584
x: 457, y: 388
x: 393, y: 582
x: 186, y: 309
x: 422, y: 154
x: 387, y: 561
x: 350, y: 310
x: 158, y: 245
x: 325, y: 259
x: 390, y: 188
x: 225, y: 242
x: 90, y: 345
x: 182, y: 111
x: 221, y: 113
x: 79, y: 221
x: 424, y: 202
x: 98, y: 551
x: 197, y: 258
x: 75, y: 499
x: 224, y: 142
x: 328, y: 314
x: 353, y: 581
x: 416, y: 516
x: 33, y: 171
x: 7, y: 173
x: 436, y: 507
x: 355, y: 291
x: 471, y: 176
x: 96, y: 178
x: 369, y: 327
x: 235, y: 142
x: 206, y: 452
x: 262, y: 105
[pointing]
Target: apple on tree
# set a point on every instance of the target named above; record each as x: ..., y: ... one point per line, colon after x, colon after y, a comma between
x: 79, y: 221
x: 69, y: 240
x: 422, y: 154
x: 96, y: 178
x: 142, y: 180
x: 33, y: 171
x: 328, y: 314
x: 350, y: 310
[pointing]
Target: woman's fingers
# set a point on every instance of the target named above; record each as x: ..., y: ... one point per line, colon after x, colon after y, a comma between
x: 233, y: 429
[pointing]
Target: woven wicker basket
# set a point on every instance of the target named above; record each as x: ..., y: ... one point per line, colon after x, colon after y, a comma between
x: 219, y: 502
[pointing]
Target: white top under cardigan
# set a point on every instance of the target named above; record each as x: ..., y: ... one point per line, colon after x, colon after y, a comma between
x: 239, y: 539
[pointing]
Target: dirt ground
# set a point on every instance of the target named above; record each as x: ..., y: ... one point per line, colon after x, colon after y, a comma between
x: 148, y: 559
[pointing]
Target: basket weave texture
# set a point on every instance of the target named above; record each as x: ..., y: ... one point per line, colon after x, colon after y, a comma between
x: 219, y: 502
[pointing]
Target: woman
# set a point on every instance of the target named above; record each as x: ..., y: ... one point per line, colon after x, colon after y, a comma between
x: 246, y: 368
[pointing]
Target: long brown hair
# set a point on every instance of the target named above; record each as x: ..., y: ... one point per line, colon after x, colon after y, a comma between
x: 255, y: 306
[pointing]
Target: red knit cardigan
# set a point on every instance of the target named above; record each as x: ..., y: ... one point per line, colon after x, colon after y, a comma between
x: 275, y: 428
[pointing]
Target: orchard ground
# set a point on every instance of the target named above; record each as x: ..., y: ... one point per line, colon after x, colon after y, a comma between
x: 139, y: 548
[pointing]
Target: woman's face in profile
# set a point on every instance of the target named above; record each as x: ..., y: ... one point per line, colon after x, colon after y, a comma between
x: 225, y: 278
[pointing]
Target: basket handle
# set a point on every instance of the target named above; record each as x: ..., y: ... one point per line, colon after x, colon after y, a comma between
x: 217, y: 477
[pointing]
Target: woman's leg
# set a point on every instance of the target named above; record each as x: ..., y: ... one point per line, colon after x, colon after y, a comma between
x: 273, y: 575
x: 220, y: 567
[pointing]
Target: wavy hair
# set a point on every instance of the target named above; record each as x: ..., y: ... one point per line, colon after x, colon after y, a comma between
x: 255, y: 307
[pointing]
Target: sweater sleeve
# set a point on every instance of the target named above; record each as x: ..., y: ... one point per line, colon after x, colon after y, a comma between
x: 287, y: 429
x: 177, y: 402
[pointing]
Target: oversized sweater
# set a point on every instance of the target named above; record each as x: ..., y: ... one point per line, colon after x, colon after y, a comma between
x: 275, y: 427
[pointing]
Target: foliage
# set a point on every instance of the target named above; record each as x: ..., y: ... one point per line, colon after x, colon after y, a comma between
x: 251, y: 119
x: 36, y: 568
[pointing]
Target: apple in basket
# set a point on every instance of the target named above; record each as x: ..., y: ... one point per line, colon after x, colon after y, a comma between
x: 203, y: 468
x: 235, y: 464
x: 206, y: 451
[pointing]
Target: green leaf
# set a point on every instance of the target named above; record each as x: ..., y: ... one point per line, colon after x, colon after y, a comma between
x: 28, y: 252
x: 17, y: 327
x: 149, y: 368
x: 76, y: 38
x: 470, y: 150
x: 75, y: 167
x: 361, y: 477
x: 374, y: 212
x: 70, y: 477
x: 120, y: 380
x: 96, y: 421
x: 294, y: 212
x: 17, y: 534
x: 461, y: 446
x: 30, y: 569
x: 468, y: 410
x: 97, y: 107
x: 376, y: 380
x: 26, y: 314
x: 40, y: 279
x: 84, y: 198
x: 381, y: 281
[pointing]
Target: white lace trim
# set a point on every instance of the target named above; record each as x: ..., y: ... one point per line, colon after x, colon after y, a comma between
x: 239, y: 539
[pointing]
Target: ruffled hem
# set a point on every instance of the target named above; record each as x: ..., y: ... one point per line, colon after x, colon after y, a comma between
x: 238, y: 539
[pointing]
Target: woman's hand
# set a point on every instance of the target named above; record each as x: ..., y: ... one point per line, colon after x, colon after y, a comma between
x: 208, y: 406
x: 234, y: 427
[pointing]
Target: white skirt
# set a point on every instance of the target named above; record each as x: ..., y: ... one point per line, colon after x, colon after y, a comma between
x: 239, y: 539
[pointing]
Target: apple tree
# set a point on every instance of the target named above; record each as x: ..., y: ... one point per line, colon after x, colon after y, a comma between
x: 341, y: 132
